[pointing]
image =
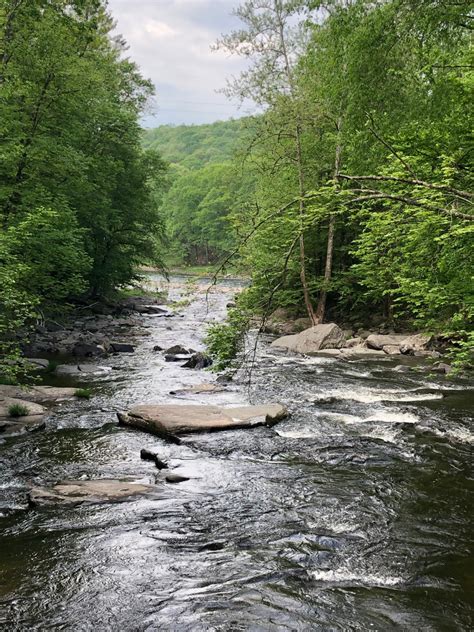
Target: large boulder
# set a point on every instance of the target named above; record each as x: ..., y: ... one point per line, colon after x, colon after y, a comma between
x: 169, y: 420
x: 95, y: 491
x: 312, y: 340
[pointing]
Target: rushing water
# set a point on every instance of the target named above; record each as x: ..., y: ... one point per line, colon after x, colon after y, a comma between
x: 353, y: 514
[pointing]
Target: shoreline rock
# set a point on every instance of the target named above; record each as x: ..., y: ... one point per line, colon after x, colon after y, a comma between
x: 312, y: 340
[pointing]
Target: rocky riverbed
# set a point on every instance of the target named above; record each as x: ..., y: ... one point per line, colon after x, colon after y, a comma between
x: 351, y: 513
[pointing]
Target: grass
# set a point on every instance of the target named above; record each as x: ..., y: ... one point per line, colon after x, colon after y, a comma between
x: 83, y: 393
x: 52, y: 365
x: 18, y: 410
x: 8, y: 380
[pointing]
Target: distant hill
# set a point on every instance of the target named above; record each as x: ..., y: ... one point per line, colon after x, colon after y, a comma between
x: 194, y: 146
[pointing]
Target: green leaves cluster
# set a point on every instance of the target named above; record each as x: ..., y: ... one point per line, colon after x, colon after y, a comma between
x: 225, y: 340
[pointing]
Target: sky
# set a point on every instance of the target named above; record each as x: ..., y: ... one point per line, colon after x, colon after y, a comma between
x: 171, y: 42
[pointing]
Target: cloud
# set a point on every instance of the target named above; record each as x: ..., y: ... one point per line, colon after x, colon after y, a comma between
x: 159, y: 29
x: 171, y: 42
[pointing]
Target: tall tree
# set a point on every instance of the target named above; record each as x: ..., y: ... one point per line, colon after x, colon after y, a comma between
x: 272, y: 42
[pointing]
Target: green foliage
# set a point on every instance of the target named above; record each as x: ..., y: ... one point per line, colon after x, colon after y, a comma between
x: 194, y: 146
x: 18, y: 410
x: 205, y: 187
x: 79, y: 196
x: 52, y: 244
x: 197, y: 208
x: 381, y: 97
x: 462, y: 351
x: 69, y: 116
x: 83, y: 393
x: 224, y: 340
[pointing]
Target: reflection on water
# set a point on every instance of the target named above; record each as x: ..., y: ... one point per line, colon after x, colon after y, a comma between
x: 353, y: 514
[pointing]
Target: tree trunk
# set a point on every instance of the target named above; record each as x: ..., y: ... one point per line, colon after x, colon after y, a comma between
x: 299, y: 163
x: 307, y: 298
x: 321, y: 308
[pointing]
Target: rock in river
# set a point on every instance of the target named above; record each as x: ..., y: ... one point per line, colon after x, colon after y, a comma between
x: 95, y: 491
x: 169, y: 420
x: 198, y: 361
x: 312, y: 340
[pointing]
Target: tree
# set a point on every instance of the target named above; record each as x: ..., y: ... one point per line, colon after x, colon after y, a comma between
x: 272, y: 43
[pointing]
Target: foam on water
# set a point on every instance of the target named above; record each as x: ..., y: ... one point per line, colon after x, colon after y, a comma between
x: 458, y: 434
x: 367, y: 396
x: 348, y: 577
x: 393, y: 417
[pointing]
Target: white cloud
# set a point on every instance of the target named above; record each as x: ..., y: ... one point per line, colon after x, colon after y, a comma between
x: 159, y: 29
x: 171, y: 42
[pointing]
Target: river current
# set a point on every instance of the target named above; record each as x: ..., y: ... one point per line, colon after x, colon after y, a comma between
x: 353, y: 514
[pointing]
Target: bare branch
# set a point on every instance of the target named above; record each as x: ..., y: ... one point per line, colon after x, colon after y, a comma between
x: 463, y: 195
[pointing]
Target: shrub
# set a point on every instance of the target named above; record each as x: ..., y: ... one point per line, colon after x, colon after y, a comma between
x: 224, y: 340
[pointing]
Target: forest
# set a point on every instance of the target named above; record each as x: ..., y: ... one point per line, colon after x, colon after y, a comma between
x: 350, y: 197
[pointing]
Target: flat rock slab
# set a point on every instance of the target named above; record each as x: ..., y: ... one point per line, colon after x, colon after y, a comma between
x: 169, y: 420
x: 80, y: 492
x: 39, y: 394
x: 312, y: 340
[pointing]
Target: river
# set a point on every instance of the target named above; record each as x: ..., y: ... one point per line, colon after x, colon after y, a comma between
x: 353, y: 514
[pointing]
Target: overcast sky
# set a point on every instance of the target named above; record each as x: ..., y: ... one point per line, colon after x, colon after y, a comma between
x: 170, y: 40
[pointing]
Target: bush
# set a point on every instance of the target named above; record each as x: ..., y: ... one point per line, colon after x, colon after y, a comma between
x: 224, y: 340
x: 18, y: 410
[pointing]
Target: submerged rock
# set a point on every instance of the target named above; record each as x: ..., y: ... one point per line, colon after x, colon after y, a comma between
x: 122, y: 347
x: 176, y: 478
x: 402, y: 368
x: 205, y: 387
x: 94, y: 491
x: 312, y: 340
x: 169, y: 420
x: 76, y: 370
x: 39, y: 364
